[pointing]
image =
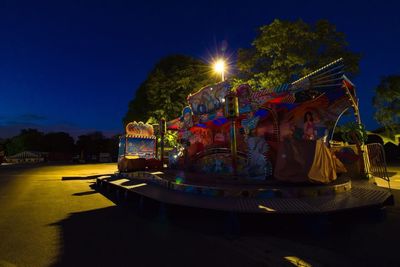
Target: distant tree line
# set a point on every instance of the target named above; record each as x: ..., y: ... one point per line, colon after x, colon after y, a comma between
x: 61, y: 144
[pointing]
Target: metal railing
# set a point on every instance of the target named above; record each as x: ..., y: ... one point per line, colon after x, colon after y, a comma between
x: 377, y: 161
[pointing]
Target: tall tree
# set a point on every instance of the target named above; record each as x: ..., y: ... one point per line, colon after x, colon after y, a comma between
x: 28, y: 139
x: 91, y: 143
x: 387, y: 104
x: 164, y: 92
x: 111, y: 146
x: 285, y: 50
x: 59, y: 142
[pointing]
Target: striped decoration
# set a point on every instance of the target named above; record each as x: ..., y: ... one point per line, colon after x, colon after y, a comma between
x: 140, y: 136
x: 281, y: 88
x: 329, y: 76
x: 327, y: 68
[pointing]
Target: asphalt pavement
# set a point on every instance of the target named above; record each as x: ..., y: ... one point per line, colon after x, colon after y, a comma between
x: 45, y: 221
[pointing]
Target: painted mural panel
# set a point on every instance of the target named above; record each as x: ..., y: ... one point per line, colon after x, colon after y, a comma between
x: 143, y: 148
x: 209, y: 99
x: 313, y: 119
x: 220, y: 163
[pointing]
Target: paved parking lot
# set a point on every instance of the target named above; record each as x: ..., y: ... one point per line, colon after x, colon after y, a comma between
x: 45, y: 221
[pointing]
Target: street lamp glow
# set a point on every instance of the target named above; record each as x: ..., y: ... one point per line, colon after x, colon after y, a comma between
x: 219, y: 67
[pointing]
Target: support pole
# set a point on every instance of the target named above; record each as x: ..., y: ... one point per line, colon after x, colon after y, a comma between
x: 156, y: 146
x: 232, y: 112
x: 126, y: 145
x: 233, y: 146
x: 162, y: 133
x: 361, y: 146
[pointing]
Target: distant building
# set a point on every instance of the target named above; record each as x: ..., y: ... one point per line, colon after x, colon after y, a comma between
x: 26, y: 157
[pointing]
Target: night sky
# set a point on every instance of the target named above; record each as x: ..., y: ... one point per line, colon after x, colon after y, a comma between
x: 74, y: 65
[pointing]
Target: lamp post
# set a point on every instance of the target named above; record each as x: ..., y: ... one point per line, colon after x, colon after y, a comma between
x: 220, y: 67
x: 232, y: 112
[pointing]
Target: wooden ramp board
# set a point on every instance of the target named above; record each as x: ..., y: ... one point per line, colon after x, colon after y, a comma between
x: 362, y: 195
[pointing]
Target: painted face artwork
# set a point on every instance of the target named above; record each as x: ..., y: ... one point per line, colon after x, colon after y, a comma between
x: 186, y: 119
x: 309, y: 127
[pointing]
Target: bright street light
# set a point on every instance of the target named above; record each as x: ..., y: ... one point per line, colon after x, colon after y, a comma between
x: 220, y: 67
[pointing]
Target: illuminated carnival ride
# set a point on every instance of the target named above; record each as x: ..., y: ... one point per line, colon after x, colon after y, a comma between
x: 256, y: 151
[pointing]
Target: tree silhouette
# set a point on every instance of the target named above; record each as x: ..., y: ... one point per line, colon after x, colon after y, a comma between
x: 387, y: 104
x: 164, y: 92
x: 285, y: 50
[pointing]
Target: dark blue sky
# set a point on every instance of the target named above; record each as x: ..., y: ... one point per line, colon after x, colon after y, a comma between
x: 75, y: 65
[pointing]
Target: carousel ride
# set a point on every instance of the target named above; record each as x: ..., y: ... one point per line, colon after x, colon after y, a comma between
x: 264, y: 151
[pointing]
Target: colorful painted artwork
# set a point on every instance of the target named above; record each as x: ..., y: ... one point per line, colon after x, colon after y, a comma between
x: 220, y: 163
x: 138, y: 142
x: 140, y: 147
x: 306, y: 109
x: 186, y: 119
x: 209, y: 99
x: 250, y: 123
x: 258, y: 165
x: 139, y: 129
x: 244, y: 92
x: 309, y: 130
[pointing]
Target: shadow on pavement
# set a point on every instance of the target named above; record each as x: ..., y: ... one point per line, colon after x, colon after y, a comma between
x: 143, y: 232
x: 85, y: 193
x: 90, y: 177
x: 115, y: 236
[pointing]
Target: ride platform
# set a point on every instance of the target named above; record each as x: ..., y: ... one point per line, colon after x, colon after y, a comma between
x: 234, y: 195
